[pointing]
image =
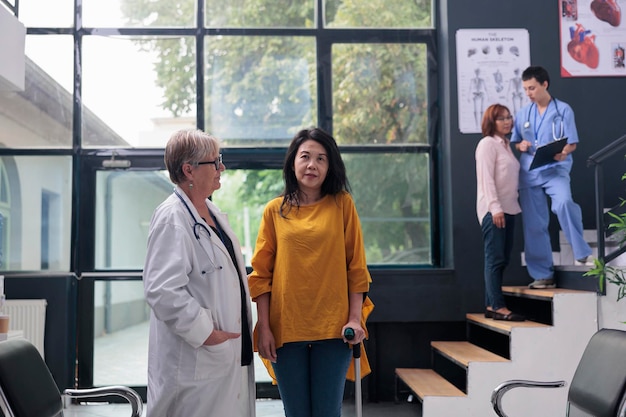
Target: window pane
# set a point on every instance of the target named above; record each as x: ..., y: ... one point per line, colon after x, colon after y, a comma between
x: 121, y: 323
x: 139, y: 13
x: 378, y: 14
x: 47, y: 13
x: 35, y: 213
x: 260, y: 13
x: 391, y: 193
x: 53, y: 54
x: 125, y: 201
x: 243, y: 196
x: 380, y: 93
x: 137, y: 92
x: 260, y: 90
x: 41, y: 115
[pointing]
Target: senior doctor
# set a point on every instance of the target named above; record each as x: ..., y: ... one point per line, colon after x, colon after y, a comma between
x: 200, y: 349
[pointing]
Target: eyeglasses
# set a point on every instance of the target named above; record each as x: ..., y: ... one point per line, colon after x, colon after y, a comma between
x: 217, y: 163
x: 504, y: 119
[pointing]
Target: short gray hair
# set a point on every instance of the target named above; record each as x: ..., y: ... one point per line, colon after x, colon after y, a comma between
x: 188, y: 146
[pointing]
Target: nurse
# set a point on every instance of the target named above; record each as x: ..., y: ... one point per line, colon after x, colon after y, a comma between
x: 200, y: 347
x: 542, y: 121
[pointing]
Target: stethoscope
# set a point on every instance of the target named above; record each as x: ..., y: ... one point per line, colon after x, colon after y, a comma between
x: 197, y: 224
x: 557, y: 119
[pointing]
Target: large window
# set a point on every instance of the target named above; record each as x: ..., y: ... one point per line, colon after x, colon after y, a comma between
x: 253, y: 73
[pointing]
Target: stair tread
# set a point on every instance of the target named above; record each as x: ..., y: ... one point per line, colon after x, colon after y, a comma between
x: 502, y: 326
x: 426, y: 382
x: 463, y: 352
x: 546, y: 293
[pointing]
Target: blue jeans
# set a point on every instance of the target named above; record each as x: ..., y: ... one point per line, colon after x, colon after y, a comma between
x: 498, y: 245
x: 311, y: 377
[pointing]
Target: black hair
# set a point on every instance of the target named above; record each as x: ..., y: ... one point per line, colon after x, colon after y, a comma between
x: 336, y: 180
x: 538, y: 73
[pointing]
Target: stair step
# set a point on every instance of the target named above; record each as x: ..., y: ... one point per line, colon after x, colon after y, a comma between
x: 462, y: 353
x: 540, y: 294
x: 501, y: 326
x: 426, y: 382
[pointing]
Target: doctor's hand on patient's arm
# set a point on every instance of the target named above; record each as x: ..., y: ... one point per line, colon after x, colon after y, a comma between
x: 523, y: 146
x: 219, y: 336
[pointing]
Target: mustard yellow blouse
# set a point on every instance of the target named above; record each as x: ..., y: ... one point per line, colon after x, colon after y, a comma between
x: 309, y: 262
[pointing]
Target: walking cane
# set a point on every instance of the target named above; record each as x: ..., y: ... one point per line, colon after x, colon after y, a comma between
x: 356, y: 354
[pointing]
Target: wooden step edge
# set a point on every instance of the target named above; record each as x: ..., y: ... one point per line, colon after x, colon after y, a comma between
x: 426, y: 382
x: 501, y: 326
x: 539, y: 294
x: 462, y: 353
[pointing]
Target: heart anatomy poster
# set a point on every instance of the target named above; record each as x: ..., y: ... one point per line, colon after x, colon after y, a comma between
x: 489, y: 65
x: 593, y: 38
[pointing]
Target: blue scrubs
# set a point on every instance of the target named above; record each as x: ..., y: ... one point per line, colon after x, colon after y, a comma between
x: 549, y: 180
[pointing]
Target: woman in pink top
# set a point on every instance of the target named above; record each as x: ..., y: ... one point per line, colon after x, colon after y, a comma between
x: 309, y: 278
x: 496, y: 204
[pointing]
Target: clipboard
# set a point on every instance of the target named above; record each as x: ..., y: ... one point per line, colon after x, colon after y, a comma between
x: 545, y: 153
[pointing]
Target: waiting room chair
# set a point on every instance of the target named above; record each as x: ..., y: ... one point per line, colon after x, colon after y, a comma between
x: 27, y: 388
x: 599, y: 384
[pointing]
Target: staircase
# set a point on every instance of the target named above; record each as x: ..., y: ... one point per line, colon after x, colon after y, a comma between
x: 546, y: 347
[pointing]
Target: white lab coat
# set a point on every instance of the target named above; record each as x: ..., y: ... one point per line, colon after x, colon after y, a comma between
x: 192, y: 287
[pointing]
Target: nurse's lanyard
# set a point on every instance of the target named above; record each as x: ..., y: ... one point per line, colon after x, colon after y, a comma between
x: 557, y: 119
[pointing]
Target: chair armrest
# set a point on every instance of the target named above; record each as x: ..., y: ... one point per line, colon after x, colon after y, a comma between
x: 129, y: 394
x: 500, y: 390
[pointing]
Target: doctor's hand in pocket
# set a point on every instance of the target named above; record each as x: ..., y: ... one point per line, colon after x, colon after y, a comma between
x: 219, y: 336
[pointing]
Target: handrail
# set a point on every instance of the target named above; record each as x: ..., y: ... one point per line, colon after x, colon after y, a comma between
x: 606, y: 152
x: 11, y: 7
x: 596, y: 160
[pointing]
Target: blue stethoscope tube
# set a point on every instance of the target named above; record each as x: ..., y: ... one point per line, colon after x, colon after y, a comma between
x: 558, y: 117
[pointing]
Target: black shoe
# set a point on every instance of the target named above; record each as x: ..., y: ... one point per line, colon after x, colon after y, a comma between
x: 488, y: 314
x: 508, y: 317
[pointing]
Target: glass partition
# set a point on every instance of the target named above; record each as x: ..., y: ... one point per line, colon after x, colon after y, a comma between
x: 260, y: 13
x: 260, y: 90
x: 371, y: 14
x: 380, y: 93
x: 125, y: 101
x: 138, y: 13
x: 125, y: 201
x: 35, y: 213
x: 121, y: 324
x: 47, y: 13
x: 40, y: 116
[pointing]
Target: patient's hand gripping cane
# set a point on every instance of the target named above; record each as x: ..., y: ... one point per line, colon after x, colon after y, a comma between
x: 356, y: 354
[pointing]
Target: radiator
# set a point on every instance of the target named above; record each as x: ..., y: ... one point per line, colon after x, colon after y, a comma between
x: 30, y: 317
